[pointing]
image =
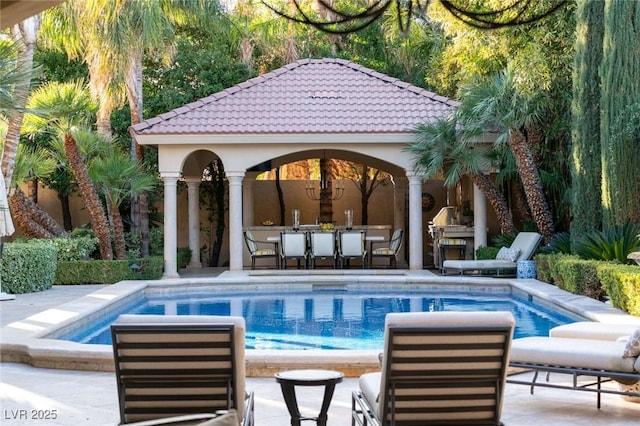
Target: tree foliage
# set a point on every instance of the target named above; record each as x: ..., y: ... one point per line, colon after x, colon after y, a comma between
x: 586, y: 202
x: 620, y: 103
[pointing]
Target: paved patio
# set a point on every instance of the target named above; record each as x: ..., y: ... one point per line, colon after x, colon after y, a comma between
x: 89, y: 398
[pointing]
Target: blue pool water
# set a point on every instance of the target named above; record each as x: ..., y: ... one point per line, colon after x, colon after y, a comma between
x: 326, y: 319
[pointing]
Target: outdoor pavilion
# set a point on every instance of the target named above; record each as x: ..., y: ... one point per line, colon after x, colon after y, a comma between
x: 293, y: 113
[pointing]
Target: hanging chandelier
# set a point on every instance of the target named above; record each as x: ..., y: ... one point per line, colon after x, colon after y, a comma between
x: 325, y: 190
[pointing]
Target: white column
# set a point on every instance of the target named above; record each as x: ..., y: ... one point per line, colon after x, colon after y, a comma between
x: 247, y: 199
x: 193, y: 193
x: 479, y: 219
x: 170, y: 224
x: 399, y: 194
x: 235, y: 220
x: 415, y: 221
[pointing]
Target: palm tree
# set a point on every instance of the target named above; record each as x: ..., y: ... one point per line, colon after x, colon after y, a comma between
x: 113, y: 46
x: 99, y: 223
x: 67, y: 106
x: 117, y: 176
x: 24, y: 36
x: 29, y: 217
x: 440, y: 148
x: 498, y: 103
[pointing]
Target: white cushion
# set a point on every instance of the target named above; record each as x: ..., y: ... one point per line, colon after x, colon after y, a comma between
x: 370, y: 387
x: 478, y: 264
x: 510, y: 254
x: 576, y: 353
x: 593, y: 330
x: 228, y: 419
x: 632, y: 348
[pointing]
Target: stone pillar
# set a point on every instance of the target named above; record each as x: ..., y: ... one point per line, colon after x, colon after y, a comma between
x: 235, y: 220
x: 399, y: 197
x: 193, y: 192
x: 479, y: 219
x: 170, y: 224
x: 415, y: 221
x: 247, y: 199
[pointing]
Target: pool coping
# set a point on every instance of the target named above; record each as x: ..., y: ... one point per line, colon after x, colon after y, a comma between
x: 24, y: 341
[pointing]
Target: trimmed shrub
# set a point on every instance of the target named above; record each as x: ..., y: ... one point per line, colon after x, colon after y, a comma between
x: 579, y: 276
x: 622, y: 284
x: 184, y: 256
x: 28, y: 266
x: 108, y: 271
x: 557, y: 277
x: 76, y: 248
x: 486, y: 253
x: 543, y: 266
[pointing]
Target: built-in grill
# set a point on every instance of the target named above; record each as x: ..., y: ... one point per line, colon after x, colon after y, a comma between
x: 448, y: 236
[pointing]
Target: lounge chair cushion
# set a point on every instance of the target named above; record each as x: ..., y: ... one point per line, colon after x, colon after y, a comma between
x: 632, y: 348
x: 593, y: 330
x: 370, y: 386
x: 227, y: 419
x: 576, y: 353
x: 510, y: 254
x: 479, y: 264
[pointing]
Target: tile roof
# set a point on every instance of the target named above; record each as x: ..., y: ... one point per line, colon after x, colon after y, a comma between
x: 307, y: 96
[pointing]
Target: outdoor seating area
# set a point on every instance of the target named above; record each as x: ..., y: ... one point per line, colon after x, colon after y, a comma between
x: 337, y: 248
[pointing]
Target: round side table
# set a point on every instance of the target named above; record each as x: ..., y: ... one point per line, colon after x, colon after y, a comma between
x: 290, y: 379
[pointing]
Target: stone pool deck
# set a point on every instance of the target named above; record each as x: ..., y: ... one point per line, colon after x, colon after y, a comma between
x: 89, y: 398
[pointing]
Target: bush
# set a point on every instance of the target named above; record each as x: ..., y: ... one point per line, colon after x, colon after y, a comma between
x: 622, y: 284
x: 579, y: 276
x: 486, y: 253
x: 184, y: 256
x: 76, y: 248
x: 108, y: 271
x: 543, y: 266
x: 28, y: 266
x: 613, y: 244
x: 560, y: 243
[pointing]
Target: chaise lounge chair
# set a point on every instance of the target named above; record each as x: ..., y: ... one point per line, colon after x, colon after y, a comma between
x: 506, y: 262
x: 172, y: 368
x: 444, y: 368
x: 593, y: 350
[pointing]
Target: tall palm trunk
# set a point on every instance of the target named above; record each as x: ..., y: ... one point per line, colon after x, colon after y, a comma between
x: 31, y: 219
x: 532, y: 184
x: 497, y: 202
x: 24, y: 223
x: 38, y: 215
x: 139, y: 201
x: 26, y: 34
x: 99, y: 223
x: 118, y: 232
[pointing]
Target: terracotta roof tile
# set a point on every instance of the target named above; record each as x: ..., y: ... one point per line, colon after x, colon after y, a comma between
x: 307, y: 96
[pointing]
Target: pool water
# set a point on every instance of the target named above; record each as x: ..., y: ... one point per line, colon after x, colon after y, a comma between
x: 326, y: 319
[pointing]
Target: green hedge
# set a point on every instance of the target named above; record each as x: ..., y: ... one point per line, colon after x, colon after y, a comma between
x: 28, y: 267
x: 593, y: 278
x: 108, y: 271
x: 622, y: 284
x: 579, y: 276
x: 486, y: 253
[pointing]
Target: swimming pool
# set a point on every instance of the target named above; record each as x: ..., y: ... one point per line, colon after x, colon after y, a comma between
x: 325, y: 319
